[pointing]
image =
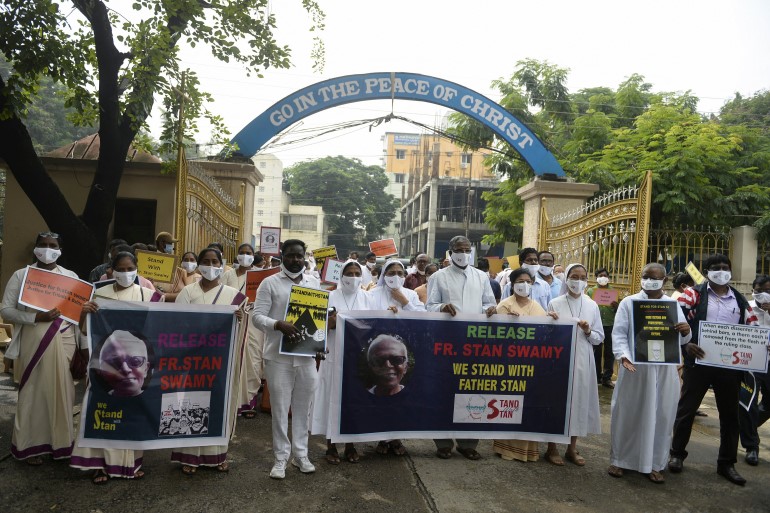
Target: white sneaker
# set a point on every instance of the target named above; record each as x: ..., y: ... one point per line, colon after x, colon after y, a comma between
x: 279, y: 469
x: 304, y: 465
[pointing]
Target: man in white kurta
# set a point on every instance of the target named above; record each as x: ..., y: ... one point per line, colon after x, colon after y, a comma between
x: 460, y: 288
x: 644, y: 402
x: 290, y: 379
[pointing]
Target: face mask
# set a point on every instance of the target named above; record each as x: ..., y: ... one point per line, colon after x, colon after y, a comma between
x: 532, y: 269
x: 290, y: 274
x: 394, y: 282
x: 350, y: 283
x: 169, y: 248
x: 124, y: 279
x: 47, y: 255
x: 545, y: 270
x: 189, y: 266
x: 602, y: 280
x: 246, y: 260
x: 720, y: 277
x: 522, y: 289
x: 461, y: 259
x: 761, y: 297
x: 421, y: 273
x: 559, y: 276
x: 576, y: 286
x: 209, y: 272
x: 505, y: 266
x: 650, y: 284
x: 371, y: 265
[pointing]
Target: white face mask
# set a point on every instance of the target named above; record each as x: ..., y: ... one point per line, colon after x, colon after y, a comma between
x: 650, y: 284
x: 245, y: 260
x: 169, y: 248
x: 720, y: 277
x: 532, y: 269
x: 421, y: 273
x: 124, y: 279
x: 290, y: 274
x: 47, y: 255
x: 761, y: 297
x: 209, y: 272
x: 576, y: 286
x: 350, y: 283
x: 394, y: 282
x: 522, y: 289
x: 461, y: 259
x: 545, y: 270
x: 559, y: 276
x: 602, y: 280
x: 189, y: 266
x: 371, y: 265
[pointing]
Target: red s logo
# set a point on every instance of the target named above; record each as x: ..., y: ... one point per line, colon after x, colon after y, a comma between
x: 495, y: 411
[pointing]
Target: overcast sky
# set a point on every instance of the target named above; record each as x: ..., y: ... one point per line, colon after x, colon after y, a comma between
x: 714, y: 48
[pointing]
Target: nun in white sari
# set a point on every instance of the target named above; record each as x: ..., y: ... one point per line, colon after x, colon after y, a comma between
x: 573, y: 304
x: 390, y: 293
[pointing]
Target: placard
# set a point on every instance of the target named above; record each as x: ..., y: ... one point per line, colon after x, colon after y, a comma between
x: 180, y: 361
x: 605, y: 297
x: 383, y: 248
x: 429, y: 375
x: 733, y: 346
x: 307, y: 310
x: 270, y: 240
x: 655, y: 339
x: 694, y: 273
x: 254, y: 278
x: 156, y: 266
x: 322, y: 254
x: 495, y: 264
x: 45, y: 290
x: 332, y: 271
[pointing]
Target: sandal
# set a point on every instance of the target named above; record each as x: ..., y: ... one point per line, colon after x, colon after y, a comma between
x: 188, y: 470
x: 471, y: 454
x: 382, y: 448
x: 615, y: 471
x: 351, y: 455
x: 575, y: 458
x: 554, y: 459
x: 332, y: 456
x: 223, y: 467
x: 100, y: 477
x: 139, y: 474
x: 35, y: 461
x: 444, y: 453
x: 656, y: 477
x: 397, y: 447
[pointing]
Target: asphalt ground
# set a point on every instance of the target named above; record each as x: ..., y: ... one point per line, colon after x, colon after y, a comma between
x: 419, y: 482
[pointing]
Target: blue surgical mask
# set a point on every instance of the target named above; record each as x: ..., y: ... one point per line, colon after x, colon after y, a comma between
x: 169, y: 248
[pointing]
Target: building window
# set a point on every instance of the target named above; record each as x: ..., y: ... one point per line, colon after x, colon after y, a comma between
x: 399, y: 177
x: 465, y: 159
x: 261, y: 188
x: 260, y: 201
x: 302, y: 222
x: 400, y: 154
x: 260, y: 213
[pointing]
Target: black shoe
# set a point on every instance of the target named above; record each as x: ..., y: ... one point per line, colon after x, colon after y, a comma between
x: 752, y: 457
x: 729, y: 473
x: 608, y: 383
x: 675, y: 465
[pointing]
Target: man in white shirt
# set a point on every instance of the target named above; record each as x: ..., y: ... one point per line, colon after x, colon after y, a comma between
x: 460, y: 288
x: 541, y: 290
x: 366, y: 271
x: 291, y: 379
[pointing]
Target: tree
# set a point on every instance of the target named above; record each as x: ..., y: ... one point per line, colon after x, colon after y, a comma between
x: 352, y: 195
x: 112, y: 69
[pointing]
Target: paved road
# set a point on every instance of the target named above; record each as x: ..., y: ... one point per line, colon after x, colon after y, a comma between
x: 417, y: 483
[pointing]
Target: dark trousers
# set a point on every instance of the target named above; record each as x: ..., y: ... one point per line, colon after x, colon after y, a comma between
x: 604, y: 349
x: 757, y: 414
x: 695, y: 382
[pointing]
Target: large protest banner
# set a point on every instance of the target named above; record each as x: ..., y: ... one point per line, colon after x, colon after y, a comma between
x: 655, y: 339
x: 159, y: 376
x: 467, y: 376
x: 734, y: 346
x: 45, y: 290
x: 307, y: 310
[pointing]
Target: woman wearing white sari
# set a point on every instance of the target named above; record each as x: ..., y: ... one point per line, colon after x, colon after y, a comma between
x: 107, y: 463
x: 572, y: 304
x: 43, y: 345
x: 347, y: 297
x: 252, y: 356
x: 209, y: 291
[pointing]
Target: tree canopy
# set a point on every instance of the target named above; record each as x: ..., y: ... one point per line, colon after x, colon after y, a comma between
x: 353, y: 197
x: 114, y: 65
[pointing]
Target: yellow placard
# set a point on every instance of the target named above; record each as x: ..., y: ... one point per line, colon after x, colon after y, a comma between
x: 495, y: 264
x: 694, y: 273
x: 321, y: 254
x: 156, y: 266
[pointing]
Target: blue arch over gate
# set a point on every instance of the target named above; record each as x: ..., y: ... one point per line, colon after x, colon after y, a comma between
x: 402, y: 86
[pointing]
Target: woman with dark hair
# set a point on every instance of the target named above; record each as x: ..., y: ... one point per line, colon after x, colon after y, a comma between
x: 682, y: 282
x: 124, y: 366
x: 252, y: 357
x: 185, y: 275
x: 209, y: 290
x: 43, y: 345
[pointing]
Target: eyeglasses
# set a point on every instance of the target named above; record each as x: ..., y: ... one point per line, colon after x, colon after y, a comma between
x: 134, y: 362
x: 48, y: 234
x: 395, y: 361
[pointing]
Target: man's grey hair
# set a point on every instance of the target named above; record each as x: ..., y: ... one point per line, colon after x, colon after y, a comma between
x: 655, y: 266
x: 379, y: 339
x: 457, y: 239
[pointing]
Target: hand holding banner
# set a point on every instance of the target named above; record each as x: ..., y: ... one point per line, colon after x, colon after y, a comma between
x: 45, y: 290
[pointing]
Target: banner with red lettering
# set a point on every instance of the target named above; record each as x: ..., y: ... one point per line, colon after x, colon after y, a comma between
x: 160, y: 376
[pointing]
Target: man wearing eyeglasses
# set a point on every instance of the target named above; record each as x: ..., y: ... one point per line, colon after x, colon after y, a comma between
x: 124, y: 364
x: 388, y: 361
